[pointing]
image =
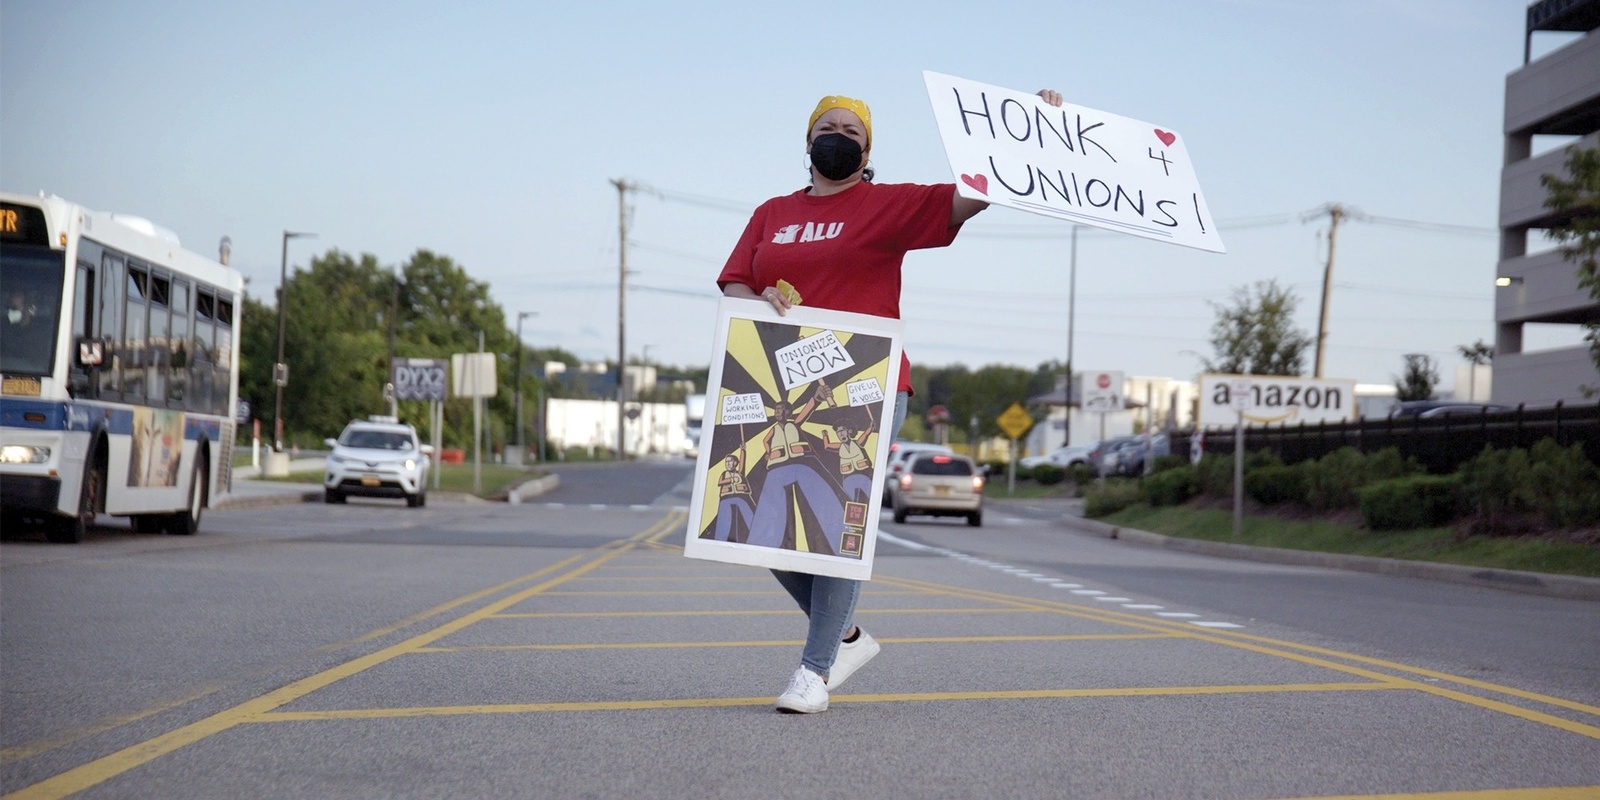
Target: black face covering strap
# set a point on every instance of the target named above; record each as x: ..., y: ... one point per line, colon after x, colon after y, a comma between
x: 835, y: 156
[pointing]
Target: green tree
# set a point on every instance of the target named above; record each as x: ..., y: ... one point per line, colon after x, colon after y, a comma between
x: 335, y: 343
x: 442, y: 312
x: 258, y: 326
x: 1255, y: 334
x: 1419, y: 379
x: 984, y: 393
x: 1576, y: 201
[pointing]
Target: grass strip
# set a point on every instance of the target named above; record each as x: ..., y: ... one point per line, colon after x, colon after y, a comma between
x: 1546, y: 554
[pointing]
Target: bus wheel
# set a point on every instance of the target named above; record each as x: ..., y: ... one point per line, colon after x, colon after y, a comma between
x: 187, y: 521
x: 147, y: 523
x: 71, y: 529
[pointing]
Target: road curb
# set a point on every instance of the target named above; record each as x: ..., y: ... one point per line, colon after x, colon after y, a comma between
x: 533, y: 488
x: 234, y: 502
x: 290, y: 497
x: 1571, y: 587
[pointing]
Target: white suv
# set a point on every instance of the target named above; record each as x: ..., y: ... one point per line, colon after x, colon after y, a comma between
x: 380, y: 457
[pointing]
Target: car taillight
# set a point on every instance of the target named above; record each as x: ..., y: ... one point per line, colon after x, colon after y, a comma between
x: 905, y: 481
x: 977, y: 483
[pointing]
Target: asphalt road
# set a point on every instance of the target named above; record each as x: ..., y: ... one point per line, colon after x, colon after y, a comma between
x: 565, y: 648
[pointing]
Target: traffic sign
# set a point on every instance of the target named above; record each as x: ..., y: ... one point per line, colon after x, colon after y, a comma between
x: 1015, y: 421
x: 418, y: 378
x: 1102, y: 391
x: 1240, y: 398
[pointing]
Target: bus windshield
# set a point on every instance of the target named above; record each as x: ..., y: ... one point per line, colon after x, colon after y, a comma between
x: 30, y: 280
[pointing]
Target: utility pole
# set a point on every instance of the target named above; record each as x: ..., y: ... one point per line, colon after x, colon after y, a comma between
x: 623, y: 187
x: 521, y: 315
x: 1335, y: 213
x: 1072, y: 309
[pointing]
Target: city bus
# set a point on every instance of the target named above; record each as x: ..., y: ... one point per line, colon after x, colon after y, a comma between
x: 119, y: 371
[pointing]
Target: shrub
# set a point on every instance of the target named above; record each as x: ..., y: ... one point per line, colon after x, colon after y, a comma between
x: 1256, y: 459
x: 1170, y: 461
x: 1499, y: 483
x: 1048, y: 474
x: 1080, y: 474
x: 1110, y: 497
x: 1563, y: 487
x: 1215, y: 475
x: 1387, y: 464
x: 1276, y: 483
x: 1414, y: 501
x: 1171, y: 487
x: 1332, y: 481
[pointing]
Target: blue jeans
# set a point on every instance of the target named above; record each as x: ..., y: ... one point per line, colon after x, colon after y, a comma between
x: 829, y: 603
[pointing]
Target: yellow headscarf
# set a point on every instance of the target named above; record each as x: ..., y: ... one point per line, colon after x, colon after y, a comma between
x: 850, y: 104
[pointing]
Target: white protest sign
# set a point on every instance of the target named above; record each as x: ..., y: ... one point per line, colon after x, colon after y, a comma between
x: 816, y: 356
x: 743, y: 408
x: 864, y: 393
x: 1090, y: 167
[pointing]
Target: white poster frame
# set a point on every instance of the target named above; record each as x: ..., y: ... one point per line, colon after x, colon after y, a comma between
x: 757, y: 334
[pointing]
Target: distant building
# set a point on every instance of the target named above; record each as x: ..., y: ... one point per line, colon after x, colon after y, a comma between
x: 1558, y: 96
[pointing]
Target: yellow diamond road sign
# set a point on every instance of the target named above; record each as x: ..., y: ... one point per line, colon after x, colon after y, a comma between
x: 1015, y: 421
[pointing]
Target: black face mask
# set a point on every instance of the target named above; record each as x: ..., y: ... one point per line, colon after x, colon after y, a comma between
x: 835, y: 156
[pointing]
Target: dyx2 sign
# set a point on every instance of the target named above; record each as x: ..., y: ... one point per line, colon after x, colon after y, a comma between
x: 419, y: 378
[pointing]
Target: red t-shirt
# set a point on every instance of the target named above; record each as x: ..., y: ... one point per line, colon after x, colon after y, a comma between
x: 843, y: 251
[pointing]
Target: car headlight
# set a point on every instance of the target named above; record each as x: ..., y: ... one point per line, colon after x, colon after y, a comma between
x: 411, y: 464
x: 24, y: 454
x: 336, y: 459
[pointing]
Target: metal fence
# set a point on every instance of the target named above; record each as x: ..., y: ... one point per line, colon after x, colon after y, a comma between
x: 1440, y: 444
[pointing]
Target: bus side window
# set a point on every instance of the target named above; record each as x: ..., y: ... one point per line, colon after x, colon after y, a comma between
x: 178, y: 376
x: 201, y: 376
x: 224, y: 351
x: 111, y: 277
x: 134, y: 334
x: 157, y: 362
x: 79, y: 382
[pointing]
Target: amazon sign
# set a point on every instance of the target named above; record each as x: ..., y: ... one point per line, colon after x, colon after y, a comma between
x: 1276, y: 400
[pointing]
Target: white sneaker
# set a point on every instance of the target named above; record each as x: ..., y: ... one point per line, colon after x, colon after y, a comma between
x: 852, y: 656
x: 807, y: 693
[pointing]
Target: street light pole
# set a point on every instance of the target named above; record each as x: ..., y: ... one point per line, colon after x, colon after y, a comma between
x: 280, y: 369
x: 521, y: 315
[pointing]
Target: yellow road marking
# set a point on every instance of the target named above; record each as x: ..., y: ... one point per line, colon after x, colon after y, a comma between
x: 787, y: 612
x: 698, y: 593
x: 1274, y: 647
x: 12, y: 754
x: 708, y: 702
x: 1065, y: 637
x: 102, y: 769
x: 263, y: 709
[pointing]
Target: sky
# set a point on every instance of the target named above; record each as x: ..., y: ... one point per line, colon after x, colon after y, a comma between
x: 493, y: 133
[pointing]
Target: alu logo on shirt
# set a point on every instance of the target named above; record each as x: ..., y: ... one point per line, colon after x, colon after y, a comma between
x: 813, y: 232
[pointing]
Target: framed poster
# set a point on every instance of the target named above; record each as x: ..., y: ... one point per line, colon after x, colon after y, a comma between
x: 798, y: 409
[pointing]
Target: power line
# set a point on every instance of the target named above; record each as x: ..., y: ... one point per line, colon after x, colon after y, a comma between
x: 1437, y: 227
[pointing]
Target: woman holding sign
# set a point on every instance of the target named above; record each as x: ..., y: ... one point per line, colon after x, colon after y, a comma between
x: 839, y: 244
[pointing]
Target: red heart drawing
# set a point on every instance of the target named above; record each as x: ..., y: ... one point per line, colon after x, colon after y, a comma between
x: 1165, y: 137
x: 979, y: 182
